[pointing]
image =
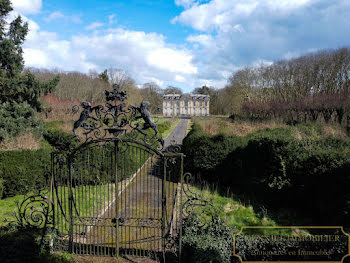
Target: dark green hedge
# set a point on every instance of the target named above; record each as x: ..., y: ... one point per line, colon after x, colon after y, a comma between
x: 310, y: 176
x: 204, y: 153
x: 23, y: 170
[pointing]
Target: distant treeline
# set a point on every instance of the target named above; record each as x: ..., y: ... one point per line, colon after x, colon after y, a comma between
x: 312, y: 87
x: 90, y: 87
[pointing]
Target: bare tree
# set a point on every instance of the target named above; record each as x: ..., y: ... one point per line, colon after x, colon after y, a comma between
x: 154, y: 94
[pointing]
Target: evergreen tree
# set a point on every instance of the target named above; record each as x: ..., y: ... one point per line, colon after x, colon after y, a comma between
x: 104, y: 76
x: 20, y: 91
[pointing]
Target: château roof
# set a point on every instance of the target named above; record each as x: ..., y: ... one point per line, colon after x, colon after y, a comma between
x: 185, y: 96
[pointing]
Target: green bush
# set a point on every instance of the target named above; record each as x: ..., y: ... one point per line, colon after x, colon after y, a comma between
x: 16, y: 119
x: 23, y: 170
x: 272, y: 166
x: 60, y: 140
x: 213, y: 243
x: 2, y: 187
x: 204, y: 153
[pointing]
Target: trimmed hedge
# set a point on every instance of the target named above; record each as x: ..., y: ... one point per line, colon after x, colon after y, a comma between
x: 310, y: 176
x: 204, y: 153
x: 23, y: 171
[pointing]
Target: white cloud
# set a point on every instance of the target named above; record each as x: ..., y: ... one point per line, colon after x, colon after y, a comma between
x: 204, y: 40
x: 26, y: 7
x: 218, y: 13
x: 262, y: 62
x: 94, y: 25
x: 58, y: 15
x: 212, y: 15
x: 238, y: 28
x: 172, y: 60
x: 288, y: 4
x: 185, y: 3
x: 180, y: 78
x: 155, y: 80
x: 237, y: 33
x: 146, y: 57
x: 35, y: 58
x: 53, y: 16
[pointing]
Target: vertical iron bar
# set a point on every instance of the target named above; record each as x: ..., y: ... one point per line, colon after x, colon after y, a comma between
x: 126, y: 175
x: 163, y: 204
x: 180, y: 215
x: 116, y: 150
x: 52, y: 194
x: 136, y: 199
x: 89, y: 206
x: 70, y: 206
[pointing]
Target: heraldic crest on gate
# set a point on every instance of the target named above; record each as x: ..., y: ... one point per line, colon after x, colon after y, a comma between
x: 118, y: 192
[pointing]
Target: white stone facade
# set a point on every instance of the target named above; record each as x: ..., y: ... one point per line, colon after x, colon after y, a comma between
x: 185, y: 105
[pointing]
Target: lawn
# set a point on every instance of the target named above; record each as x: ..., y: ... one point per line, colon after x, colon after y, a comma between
x: 236, y: 214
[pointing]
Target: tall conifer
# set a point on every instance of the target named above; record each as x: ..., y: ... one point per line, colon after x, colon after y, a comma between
x: 19, y: 90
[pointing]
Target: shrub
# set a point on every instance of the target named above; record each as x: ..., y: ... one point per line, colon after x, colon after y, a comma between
x: 1, y: 187
x: 204, y: 153
x: 16, y: 119
x: 213, y: 243
x: 60, y: 140
x: 23, y: 170
x: 270, y: 166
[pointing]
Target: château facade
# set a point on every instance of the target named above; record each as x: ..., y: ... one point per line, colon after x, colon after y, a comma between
x: 185, y: 105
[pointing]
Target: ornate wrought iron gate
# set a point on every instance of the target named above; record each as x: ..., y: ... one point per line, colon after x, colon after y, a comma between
x: 119, y: 191
x: 117, y: 196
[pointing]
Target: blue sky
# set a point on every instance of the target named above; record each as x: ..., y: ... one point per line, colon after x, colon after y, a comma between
x: 184, y: 43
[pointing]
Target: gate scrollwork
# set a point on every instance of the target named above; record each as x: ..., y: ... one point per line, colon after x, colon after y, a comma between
x: 195, y: 204
x: 34, y: 211
x: 115, y: 120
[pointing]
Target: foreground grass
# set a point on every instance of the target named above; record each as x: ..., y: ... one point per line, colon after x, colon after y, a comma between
x: 8, y: 207
x: 236, y: 214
